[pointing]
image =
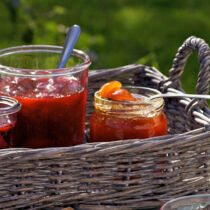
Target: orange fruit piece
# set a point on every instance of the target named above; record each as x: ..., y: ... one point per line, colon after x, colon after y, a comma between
x: 112, y: 90
x: 122, y: 95
x: 108, y: 88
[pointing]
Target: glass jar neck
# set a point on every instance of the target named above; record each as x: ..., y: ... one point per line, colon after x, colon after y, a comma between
x: 131, y: 109
x: 9, y: 105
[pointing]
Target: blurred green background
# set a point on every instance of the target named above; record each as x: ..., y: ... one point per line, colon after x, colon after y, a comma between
x: 114, y: 32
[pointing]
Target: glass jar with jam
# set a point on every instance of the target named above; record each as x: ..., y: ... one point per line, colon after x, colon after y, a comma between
x: 9, y: 107
x: 53, y: 100
x: 127, y: 113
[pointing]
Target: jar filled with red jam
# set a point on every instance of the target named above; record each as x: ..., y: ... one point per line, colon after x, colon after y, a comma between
x: 53, y: 100
x: 127, y: 113
x: 9, y: 107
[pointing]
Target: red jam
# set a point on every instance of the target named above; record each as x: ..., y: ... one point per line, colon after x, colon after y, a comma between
x: 105, y: 126
x: 3, y: 143
x: 52, y: 112
x: 6, y: 135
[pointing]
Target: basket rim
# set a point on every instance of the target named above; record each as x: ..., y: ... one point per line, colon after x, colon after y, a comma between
x: 102, y: 148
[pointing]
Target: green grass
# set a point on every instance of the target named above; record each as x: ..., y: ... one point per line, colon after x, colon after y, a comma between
x: 114, y: 33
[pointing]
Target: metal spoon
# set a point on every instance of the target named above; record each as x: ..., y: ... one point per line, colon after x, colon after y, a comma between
x: 184, y: 95
x: 71, y: 39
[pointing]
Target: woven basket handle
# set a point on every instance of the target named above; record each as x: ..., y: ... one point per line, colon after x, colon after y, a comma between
x: 190, y: 45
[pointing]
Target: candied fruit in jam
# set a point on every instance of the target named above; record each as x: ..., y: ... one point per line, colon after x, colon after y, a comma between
x: 108, y: 88
x: 122, y: 95
x: 67, y: 85
x: 112, y: 90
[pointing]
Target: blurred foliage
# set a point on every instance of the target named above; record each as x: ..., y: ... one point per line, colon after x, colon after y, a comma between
x: 114, y: 33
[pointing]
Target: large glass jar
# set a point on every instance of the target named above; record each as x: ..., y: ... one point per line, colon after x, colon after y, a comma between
x: 119, y: 120
x: 9, y: 107
x: 53, y: 100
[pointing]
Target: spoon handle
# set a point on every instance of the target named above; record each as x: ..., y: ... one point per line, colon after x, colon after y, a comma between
x: 71, y: 39
x: 184, y: 95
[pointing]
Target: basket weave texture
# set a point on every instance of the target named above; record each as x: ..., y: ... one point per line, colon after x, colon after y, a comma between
x: 126, y: 174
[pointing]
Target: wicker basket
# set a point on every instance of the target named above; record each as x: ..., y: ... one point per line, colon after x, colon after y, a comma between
x: 126, y: 174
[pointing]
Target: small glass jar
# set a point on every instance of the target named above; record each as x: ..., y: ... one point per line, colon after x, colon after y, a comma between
x: 53, y: 100
x: 9, y: 107
x: 119, y: 120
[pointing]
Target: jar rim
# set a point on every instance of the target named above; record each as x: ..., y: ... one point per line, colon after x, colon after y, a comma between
x: 13, y: 105
x: 155, y: 92
x: 194, y: 199
x: 13, y: 71
x: 133, y: 107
